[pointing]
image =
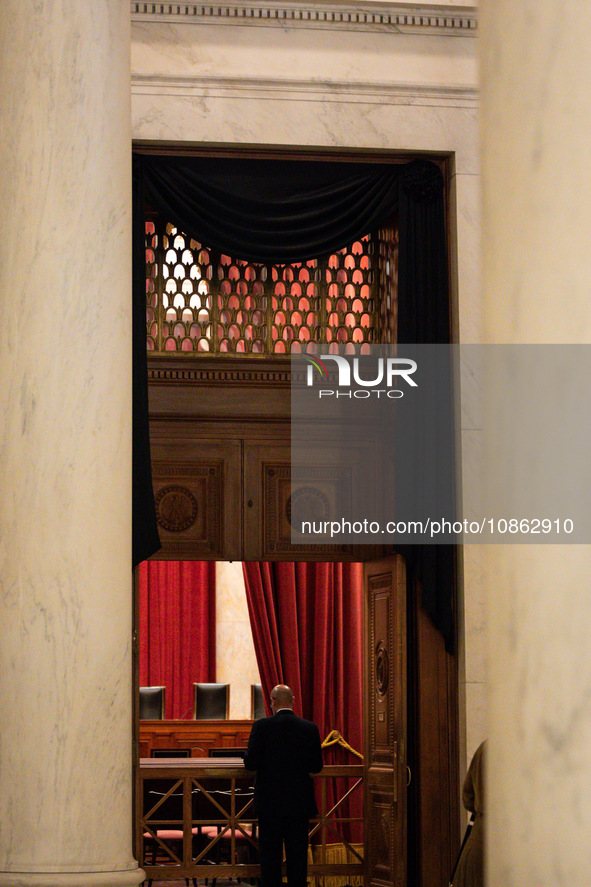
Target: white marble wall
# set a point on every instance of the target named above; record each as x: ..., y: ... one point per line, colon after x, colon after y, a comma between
x: 65, y: 445
x: 328, y: 88
x: 235, y: 657
x: 537, y: 267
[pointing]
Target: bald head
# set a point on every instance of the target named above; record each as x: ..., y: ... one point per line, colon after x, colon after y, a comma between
x: 281, y: 697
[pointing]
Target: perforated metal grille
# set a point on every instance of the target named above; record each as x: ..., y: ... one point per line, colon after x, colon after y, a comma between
x: 388, y: 284
x: 201, y: 301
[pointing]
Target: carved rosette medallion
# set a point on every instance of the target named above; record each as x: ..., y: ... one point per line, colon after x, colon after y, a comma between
x: 382, y: 668
x: 176, y: 509
x: 306, y: 503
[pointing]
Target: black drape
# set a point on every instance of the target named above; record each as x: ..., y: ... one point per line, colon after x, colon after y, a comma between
x: 271, y: 210
x: 286, y: 211
x: 145, y: 539
x: 424, y: 318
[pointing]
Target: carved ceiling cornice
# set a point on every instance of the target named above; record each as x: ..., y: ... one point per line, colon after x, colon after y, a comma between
x: 401, y: 18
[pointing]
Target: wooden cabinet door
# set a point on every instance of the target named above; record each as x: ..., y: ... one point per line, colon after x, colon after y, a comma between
x: 197, y: 491
x: 385, y: 741
x: 324, y: 488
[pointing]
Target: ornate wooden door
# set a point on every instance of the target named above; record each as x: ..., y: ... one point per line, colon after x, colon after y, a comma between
x: 385, y: 743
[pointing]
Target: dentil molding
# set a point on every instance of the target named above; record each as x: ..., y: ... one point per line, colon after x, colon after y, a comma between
x: 402, y: 18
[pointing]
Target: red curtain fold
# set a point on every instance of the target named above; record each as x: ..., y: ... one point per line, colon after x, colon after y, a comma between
x: 307, y: 625
x: 177, y: 629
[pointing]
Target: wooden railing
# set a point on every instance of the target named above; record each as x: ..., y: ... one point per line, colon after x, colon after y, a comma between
x: 196, y: 820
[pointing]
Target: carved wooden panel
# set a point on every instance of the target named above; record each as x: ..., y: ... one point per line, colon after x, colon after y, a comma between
x: 383, y: 680
x: 188, y: 499
x: 233, y: 416
x: 381, y: 836
x: 195, y: 492
x: 275, y: 492
x: 319, y: 490
x: 385, y: 692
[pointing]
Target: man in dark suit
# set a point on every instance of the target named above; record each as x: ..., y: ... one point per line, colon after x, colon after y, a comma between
x: 284, y: 750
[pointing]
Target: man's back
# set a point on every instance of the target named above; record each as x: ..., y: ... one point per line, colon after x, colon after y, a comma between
x: 283, y: 750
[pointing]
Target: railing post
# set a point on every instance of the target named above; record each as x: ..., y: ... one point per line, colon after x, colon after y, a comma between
x: 187, y: 823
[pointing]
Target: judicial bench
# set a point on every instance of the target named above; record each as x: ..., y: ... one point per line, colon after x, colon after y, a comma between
x: 193, y: 735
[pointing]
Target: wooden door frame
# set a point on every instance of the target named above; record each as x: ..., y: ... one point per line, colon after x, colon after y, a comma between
x: 432, y: 674
x: 432, y: 743
x: 385, y: 721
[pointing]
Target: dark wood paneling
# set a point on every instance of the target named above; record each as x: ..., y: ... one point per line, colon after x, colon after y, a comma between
x: 221, y: 453
x: 196, y: 487
x: 193, y: 734
x: 221, y: 389
x: 435, y: 822
x: 273, y: 488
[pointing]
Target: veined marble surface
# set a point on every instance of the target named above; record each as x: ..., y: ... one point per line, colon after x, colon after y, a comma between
x: 537, y: 266
x: 238, y: 51
x: 65, y: 444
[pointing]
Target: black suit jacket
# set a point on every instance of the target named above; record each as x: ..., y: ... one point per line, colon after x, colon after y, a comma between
x: 284, y: 750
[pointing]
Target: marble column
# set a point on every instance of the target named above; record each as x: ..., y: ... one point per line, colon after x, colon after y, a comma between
x: 65, y: 445
x: 536, y: 120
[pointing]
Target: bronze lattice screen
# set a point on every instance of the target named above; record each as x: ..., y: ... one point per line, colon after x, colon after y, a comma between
x: 199, y: 300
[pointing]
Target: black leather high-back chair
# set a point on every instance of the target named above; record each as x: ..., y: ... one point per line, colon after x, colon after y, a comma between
x: 152, y: 703
x: 211, y: 702
x: 257, y: 706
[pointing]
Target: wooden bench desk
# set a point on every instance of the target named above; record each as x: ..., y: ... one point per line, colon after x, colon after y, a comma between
x: 193, y: 735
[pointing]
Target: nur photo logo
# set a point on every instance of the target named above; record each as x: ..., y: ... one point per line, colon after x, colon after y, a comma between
x: 361, y: 377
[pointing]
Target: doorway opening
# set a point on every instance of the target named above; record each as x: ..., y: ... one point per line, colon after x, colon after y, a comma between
x: 220, y: 441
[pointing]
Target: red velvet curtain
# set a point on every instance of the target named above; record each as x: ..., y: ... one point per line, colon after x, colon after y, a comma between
x: 307, y: 625
x: 177, y: 629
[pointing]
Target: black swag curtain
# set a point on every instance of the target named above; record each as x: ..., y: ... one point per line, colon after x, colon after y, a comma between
x: 289, y: 211
x: 270, y: 210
